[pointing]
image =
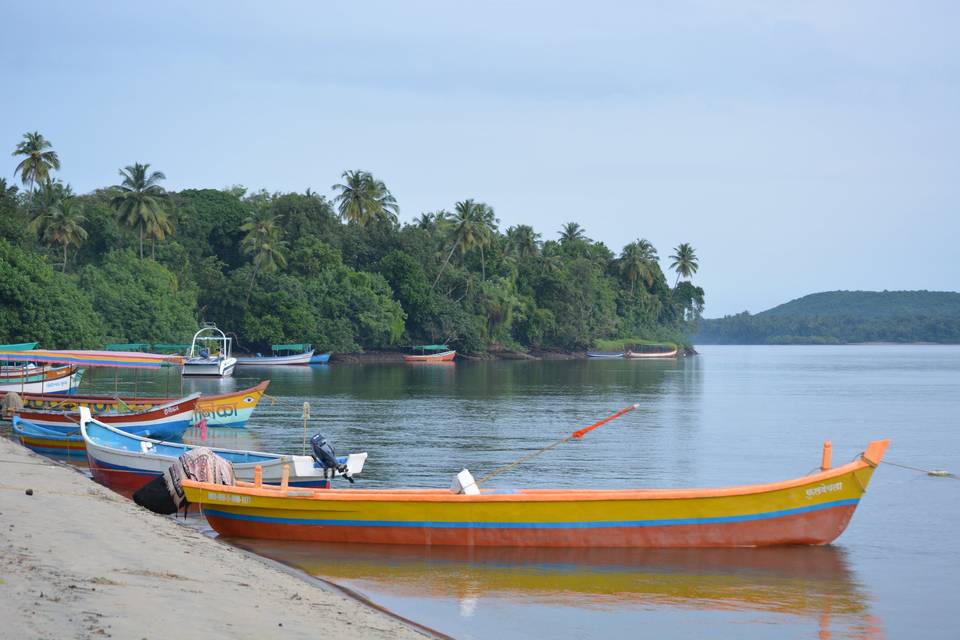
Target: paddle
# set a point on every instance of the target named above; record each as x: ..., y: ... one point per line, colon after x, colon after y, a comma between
x: 575, y: 435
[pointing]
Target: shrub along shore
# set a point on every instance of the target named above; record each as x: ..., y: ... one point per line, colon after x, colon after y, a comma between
x: 132, y: 262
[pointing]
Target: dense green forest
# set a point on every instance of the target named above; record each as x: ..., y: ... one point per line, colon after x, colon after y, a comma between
x: 133, y: 262
x: 839, y: 317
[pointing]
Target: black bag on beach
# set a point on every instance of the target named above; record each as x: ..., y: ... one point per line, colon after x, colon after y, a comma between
x: 155, y: 496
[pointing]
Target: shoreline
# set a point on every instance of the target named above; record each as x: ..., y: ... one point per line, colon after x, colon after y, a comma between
x: 79, y: 559
x: 388, y: 357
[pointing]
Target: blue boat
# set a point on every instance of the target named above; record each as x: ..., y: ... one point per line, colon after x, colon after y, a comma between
x: 320, y: 358
x: 49, y: 442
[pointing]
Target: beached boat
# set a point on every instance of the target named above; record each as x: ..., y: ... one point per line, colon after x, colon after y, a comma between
x: 223, y: 410
x: 642, y: 352
x: 210, y: 354
x: 282, y: 354
x: 49, y: 442
x: 320, y: 358
x: 813, y: 509
x: 30, y: 378
x: 167, y: 421
x: 605, y: 355
x: 126, y: 462
x: 431, y: 353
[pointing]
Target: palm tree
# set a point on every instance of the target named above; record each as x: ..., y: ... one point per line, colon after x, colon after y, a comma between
x: 61, y: 223
x: 523, y: 241
x: 474, y: 225
x: 264, y: 241
x: 363, y: 199
x: 140, y: 198
x: 684, y: 262
x: 37, y: 163
x: 638, y: 262
x: 158, y: 227
x: 572, y: 231
x: 7, y: 191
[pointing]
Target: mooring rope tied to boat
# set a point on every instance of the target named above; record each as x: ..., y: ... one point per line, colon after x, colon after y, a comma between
x: 936, y: 473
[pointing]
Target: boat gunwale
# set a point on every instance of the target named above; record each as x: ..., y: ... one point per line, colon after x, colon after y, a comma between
x: 189, y: 404
x: 870, y: 458
x: 157, y: 400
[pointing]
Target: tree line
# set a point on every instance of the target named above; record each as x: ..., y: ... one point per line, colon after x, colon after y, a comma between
x: 134, y: 262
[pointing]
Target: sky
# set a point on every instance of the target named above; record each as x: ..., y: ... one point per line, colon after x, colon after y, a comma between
x: 798, y: 146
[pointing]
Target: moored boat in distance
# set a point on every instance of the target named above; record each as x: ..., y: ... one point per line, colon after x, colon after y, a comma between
x: 282, y: 354
x: 321, y: 358
x: 811, y: 510
x: 30, y: 378
x: 201, y: 361
x: 608, y: 355
x: 126, y: 462
x: 231, y: 409
x: 644, y: 351
x: 165, y: 421
x: 431, y: 353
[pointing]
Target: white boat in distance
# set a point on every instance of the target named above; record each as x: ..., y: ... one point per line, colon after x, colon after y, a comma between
x: 203, y: 360
x: 296, y: 354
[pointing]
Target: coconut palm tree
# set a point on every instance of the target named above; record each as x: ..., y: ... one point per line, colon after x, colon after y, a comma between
x: 61, y: 223
x: 638, y: 262
x: 474, y: 224
x: 157, y: 227
x: 140, y: 197
x: 684, y: 262
x: 572, y: 231
x: 39, y: 159
x: 364, y: 199
x: 264, y: 241
x: 524, y: 242
x: 7, y: 191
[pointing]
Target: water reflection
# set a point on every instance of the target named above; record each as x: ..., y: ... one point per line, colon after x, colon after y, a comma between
x: 814, y: 583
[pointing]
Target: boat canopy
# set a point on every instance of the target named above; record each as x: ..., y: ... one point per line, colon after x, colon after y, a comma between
x: 302, y: 347
x: 171, y: 347
x: 431, y: 347
x: 121, y: 359
x: 23, y: 346
x: 128, y: 346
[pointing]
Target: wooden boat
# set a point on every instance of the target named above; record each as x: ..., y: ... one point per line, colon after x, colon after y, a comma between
x: 223, y: 410
x: 320, y: 358
x: 49, y: 442
x: 431, y: 353
x: 652, y: 351
x: 30, y: 378
x: 283, y: 354
x: 165, y: 421
x: 814, y: 509
x: 210, y: 354
x: 126, y: 462
x: 608, y: 355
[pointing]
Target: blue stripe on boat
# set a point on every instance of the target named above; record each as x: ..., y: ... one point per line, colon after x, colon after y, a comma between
x: 531, y: 525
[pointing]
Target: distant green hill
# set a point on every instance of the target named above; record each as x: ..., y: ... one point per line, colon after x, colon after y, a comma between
x: 839, y: 317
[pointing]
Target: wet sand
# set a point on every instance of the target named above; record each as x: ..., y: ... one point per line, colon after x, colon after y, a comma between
x: 79, y: 561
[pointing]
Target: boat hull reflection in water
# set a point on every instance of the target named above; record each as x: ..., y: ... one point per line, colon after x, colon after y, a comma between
x: 814, y: 583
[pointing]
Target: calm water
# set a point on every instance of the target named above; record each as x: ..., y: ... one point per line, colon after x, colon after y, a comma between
x: 732, y: 415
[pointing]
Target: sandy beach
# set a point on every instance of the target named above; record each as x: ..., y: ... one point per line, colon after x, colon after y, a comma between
x: 79, y: 561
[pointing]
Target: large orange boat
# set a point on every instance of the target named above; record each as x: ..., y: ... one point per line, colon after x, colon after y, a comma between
x: 813, y: 509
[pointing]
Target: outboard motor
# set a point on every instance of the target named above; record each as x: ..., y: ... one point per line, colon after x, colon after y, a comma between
x: 324, y: 453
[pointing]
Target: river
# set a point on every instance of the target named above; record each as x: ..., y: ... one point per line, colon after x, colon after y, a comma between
x: 732, y: 415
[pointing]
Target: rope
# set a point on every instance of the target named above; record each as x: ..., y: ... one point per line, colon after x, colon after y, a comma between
x: 936, y: 473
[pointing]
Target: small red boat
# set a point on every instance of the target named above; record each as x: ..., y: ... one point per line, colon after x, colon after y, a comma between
x: 431, y: 353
